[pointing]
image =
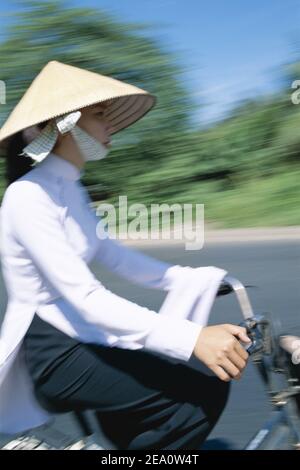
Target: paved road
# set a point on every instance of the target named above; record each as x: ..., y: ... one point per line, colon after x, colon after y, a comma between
x: 275, y: 268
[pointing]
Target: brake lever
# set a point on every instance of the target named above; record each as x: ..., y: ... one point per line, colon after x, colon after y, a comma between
x: 254, y: 332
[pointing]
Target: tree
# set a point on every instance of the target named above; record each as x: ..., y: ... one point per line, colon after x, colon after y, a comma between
x: 51, y: 30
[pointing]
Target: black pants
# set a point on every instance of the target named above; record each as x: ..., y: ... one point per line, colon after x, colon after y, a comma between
x: 143, y: 401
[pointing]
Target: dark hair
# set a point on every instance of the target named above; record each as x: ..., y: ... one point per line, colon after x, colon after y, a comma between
x: 18, y: 165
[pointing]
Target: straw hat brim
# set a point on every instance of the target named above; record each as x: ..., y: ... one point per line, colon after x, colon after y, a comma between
x: 60, y: 88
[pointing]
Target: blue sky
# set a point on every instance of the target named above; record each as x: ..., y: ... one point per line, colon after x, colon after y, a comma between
x: 229, y: 50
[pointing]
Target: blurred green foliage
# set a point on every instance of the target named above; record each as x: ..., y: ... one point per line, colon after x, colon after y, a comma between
x: 245, y: 169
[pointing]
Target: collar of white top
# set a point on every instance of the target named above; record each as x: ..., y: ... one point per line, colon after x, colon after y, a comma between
x: 60, y: 167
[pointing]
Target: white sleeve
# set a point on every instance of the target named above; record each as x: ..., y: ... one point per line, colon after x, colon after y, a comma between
x: 37, y: 226
x: 133, y: 265
x: 130, y: 263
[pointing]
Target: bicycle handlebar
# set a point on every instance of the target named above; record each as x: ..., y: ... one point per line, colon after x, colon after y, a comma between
x: 231, y: 284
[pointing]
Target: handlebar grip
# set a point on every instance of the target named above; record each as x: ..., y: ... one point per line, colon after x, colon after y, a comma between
x: 224, y: 289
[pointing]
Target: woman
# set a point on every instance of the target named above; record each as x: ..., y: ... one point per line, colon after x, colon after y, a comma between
x: 67, y: 342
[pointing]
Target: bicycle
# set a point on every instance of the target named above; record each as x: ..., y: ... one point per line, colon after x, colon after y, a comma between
x: 275, y: 356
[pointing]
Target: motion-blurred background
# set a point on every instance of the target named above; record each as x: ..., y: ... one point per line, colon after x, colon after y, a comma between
x: 224, y: 132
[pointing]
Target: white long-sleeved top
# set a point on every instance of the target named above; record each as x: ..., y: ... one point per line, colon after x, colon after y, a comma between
x: 48, y: 239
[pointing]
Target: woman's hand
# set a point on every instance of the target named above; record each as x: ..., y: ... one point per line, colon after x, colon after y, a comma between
x: 218, y: 347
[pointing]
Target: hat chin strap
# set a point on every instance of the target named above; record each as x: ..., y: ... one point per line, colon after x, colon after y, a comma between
x: 42, y: 145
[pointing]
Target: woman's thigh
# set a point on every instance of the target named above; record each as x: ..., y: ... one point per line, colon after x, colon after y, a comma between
x: 112, y: 379
x: 142, y: 400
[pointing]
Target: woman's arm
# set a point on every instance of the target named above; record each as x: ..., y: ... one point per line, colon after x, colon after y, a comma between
x: 130, y: 263
x: 136, y: 266
x: 37, y: 226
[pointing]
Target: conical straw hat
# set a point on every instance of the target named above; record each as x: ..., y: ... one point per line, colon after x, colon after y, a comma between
x: 60, y: 88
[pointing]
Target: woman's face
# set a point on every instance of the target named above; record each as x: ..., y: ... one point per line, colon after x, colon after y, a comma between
x: 93, y: 121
